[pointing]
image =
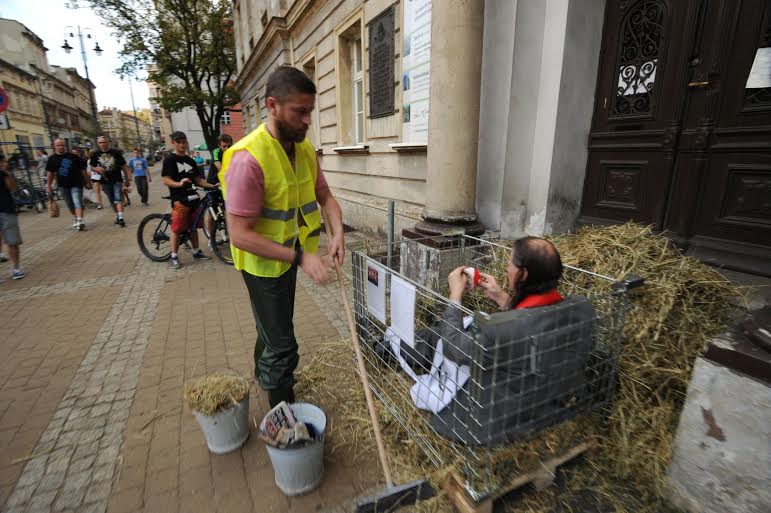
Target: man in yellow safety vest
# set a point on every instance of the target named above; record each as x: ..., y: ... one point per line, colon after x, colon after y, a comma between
x: 273, y: 186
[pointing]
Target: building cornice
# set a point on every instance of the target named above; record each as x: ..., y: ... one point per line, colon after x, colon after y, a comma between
x: 277, y: 28
x: 17, y: 68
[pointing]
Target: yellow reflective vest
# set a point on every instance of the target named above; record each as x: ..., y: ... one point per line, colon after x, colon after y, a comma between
x: 289, y: 193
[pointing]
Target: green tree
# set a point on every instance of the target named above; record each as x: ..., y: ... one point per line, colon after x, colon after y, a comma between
x: 187, y: 47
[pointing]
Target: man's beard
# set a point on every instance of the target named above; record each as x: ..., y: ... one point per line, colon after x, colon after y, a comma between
x: 287, y: 133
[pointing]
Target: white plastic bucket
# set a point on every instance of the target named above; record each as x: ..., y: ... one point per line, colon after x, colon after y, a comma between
x: 226, y: 430
x: 299, y: 470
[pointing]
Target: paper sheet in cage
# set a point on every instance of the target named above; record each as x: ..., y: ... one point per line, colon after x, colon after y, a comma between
x: 435, y: 390
x: 403, y: 310
x: 376, y: 292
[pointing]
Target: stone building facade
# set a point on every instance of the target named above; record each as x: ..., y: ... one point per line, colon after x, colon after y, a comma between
x: 47, y: 101
x: 533, y: 117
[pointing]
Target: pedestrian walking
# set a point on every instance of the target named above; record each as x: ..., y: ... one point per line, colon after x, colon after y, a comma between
x: 139, y: 166
x: 42, y: 160
x: 110, y: 164
x: 9, y: 223
x: 179, y: 174
x: 273, y: 186
x: 69, y: 172
x: 96, y: 181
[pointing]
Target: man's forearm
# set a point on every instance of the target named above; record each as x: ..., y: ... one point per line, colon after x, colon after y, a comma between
x: 333, y: 215
x: 252, y: 242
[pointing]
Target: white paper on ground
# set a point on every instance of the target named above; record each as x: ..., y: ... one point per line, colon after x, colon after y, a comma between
x: 376, y: 291
x: 403, y: 310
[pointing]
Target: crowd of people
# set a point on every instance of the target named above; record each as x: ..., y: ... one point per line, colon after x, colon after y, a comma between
x: 78, y: 175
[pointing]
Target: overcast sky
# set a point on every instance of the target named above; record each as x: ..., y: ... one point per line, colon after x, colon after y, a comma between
x: 47, y: 19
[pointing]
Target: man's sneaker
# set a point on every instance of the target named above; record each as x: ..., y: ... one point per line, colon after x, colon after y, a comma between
x: 175, y: 263
x: 81, y: 226
x: 201, y: 256
x: 117, y: 220
x: 3, y: 258
x: 99, y: 207
x: 17, y: 274
x: 121, y: 222
x: 75, y: 224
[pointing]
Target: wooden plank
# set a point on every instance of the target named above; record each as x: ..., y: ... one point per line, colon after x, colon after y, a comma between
x: 541, y: 477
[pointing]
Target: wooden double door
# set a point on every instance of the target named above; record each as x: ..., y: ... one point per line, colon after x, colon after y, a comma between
x: 681, y: 133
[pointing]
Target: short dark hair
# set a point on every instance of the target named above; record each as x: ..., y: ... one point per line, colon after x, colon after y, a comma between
x: 104, y: 136
x: 224, y: 138
x: 543, y: 264
x: 286, y: 80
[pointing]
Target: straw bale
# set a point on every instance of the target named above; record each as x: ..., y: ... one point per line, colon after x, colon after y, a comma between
x: 216, y: 392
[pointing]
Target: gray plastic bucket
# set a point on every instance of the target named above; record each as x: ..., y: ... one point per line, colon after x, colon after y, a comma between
x: 299, y: 470
x: 226, y: 430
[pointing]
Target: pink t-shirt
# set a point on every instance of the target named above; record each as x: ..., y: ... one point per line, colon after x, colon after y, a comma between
x: 246, y: 185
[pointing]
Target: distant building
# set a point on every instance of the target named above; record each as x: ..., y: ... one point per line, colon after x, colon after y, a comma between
x: 233, y: 122
x: 186, y: 120
x: 122, y: 129
x: 161, y: 118
x: 46, y: 101
x: 25, y: 112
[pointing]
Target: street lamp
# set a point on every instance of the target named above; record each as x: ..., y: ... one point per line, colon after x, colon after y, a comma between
x: 67, y: 48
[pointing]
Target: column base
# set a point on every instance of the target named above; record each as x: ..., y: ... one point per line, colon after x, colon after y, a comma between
x: 432, y: 228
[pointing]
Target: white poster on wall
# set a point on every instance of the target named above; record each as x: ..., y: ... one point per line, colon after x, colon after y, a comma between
x: 416, y: 63
x: 760, y: 74
x: 403, y: 310
x: 376, y: 292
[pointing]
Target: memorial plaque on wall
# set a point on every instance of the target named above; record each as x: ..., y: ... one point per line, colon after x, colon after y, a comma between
x: 381, y: 64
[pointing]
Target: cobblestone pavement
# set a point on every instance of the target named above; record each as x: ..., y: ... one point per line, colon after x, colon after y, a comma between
x: 98, y: 343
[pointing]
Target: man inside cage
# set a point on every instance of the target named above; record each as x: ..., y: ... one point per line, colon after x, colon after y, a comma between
x: 491, y: 378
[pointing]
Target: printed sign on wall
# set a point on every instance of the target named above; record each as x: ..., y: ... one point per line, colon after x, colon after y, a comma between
x: 416, y: 64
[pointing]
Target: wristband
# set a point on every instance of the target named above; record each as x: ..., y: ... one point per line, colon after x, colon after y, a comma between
x: 298, y: 257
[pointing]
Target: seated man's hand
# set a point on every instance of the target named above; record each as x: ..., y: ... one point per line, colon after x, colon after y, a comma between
x: 494, y: 291
x: 315, y: 267
x: 457, y: 282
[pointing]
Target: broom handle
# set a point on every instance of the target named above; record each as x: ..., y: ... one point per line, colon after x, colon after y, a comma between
x: 362, y: 368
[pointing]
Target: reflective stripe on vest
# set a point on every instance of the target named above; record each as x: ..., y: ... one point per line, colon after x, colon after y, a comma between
x: 288, y: 193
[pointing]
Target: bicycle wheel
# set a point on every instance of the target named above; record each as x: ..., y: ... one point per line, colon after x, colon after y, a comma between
x: 220, y: 241
x: 154, y: 237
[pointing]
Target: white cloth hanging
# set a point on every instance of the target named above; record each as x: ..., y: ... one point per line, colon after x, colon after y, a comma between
x: 435, y: 390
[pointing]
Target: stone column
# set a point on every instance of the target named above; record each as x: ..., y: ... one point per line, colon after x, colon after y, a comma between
x: 453, y: 126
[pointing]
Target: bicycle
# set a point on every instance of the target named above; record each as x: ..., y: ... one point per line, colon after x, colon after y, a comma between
x: 154, y: 231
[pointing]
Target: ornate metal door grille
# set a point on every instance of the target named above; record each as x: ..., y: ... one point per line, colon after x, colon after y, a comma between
x: 642, y: 39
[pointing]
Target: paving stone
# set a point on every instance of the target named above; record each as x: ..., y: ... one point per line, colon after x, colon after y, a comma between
x: 33, y: 471
x: 98, y: 491
x: 82, y: 464
x: 20, y: 496
x: 51, y: 481
x: 95, y: 507
x: 104, y: 472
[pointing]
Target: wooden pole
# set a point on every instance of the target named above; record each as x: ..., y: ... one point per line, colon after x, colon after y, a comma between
x: 362, y: 368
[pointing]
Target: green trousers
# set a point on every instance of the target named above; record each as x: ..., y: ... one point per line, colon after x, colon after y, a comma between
x: 275, y: 351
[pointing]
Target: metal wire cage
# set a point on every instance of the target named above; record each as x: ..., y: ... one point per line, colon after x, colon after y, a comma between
x: 477, y: 377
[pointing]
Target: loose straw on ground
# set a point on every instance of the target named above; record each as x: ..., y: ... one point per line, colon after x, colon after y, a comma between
x: 681, y: 306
